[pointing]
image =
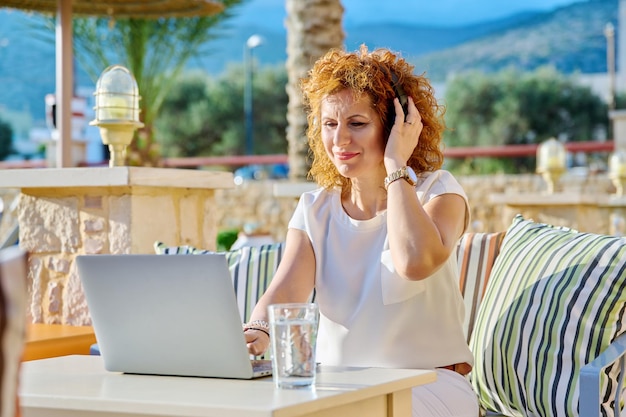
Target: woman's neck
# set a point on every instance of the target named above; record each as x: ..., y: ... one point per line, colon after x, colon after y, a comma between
x: 364, y: 201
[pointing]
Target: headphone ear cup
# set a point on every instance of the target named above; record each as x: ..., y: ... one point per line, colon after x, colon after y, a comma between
x: 404, y: 101
x: 400, y: 93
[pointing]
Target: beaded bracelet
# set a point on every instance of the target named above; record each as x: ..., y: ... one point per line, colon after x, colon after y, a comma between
x: 260, y: 325
x: 257, y: 328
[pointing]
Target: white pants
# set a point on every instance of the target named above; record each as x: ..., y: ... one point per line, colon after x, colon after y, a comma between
x: 450, y: 396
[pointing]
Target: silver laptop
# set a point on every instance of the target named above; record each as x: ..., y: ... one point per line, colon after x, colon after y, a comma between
x: 167, y: 315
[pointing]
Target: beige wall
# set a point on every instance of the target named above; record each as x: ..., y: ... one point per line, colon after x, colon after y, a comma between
x: 56, y: 296
x: 254, y: 202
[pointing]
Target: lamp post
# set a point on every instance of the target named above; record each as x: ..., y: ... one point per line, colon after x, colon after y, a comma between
x: 609, y: 33
x: 117, y: 111
x: 551, y: 160
x: 617, y: 171
x: 252, y: 42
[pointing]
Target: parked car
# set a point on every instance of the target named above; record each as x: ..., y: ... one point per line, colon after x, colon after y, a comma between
x: 261, y: 172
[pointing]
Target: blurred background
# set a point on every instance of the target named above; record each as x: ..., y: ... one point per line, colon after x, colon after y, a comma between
x: 526, y: 71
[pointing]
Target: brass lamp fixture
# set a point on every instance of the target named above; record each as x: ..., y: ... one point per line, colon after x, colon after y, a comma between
x: 117, y: 111
x: 551, y: 159
x: 617, y: 171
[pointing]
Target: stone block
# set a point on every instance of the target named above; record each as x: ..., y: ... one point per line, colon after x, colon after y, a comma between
x: 49, y: 224
x: 75, y: 310
x: 55, y: 299
x: 38, y: 278
x: 154, y: 217
x: 189, y: 217
x: 94, y: 246
x: 94, y: 225
x: 119, y: 224
x: 209, y: 227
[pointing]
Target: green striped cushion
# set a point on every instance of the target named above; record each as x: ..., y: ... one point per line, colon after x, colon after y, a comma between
x: 555, y: 299
x: 252, y: 269
x: 476, y: 253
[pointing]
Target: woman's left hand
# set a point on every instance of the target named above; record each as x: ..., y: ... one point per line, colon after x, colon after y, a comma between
x: 256, y: 341
x: 404, y: 134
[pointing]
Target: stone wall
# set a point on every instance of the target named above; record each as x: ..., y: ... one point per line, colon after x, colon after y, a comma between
x: 56, y: 296
x: 57, y: 224
x: 253, y: 202
x: 54, y: 230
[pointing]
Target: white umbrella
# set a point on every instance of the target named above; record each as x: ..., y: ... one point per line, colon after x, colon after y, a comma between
x: 144, y: 9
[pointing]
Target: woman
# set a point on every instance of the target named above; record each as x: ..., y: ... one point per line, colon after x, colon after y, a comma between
x: 377, y: 241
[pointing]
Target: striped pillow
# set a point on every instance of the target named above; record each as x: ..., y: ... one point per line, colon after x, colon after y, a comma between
x: 555, y: 299
x: 476, y: 253
x: 252, y: 269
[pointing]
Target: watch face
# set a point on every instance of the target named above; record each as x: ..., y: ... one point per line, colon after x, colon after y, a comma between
x: 412, y: 175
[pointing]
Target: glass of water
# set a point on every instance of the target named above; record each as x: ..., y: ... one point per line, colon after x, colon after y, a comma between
x: 293, y: 329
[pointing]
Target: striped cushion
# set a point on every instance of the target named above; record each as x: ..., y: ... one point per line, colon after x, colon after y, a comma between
x: 555, y: 299
x: 476, y: 253
x: 252, y: 269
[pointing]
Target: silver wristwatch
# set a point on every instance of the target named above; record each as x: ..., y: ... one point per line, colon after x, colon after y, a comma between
x: 405, y: 173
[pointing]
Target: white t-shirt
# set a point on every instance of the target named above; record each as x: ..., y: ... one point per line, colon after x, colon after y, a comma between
x: 369, y: 315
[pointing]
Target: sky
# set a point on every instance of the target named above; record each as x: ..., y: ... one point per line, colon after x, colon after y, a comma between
x: 429, y: 12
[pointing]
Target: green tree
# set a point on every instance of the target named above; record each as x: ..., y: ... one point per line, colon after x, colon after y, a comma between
x: 6, y: 140
x: 155, y: 51
x: 510, y: 108
x: 620, y: 100
x: 204, y: 116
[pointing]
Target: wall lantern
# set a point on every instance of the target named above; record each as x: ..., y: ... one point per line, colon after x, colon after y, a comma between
x: 617, y: 171
x: 117, y: 111
x: 551, y: 160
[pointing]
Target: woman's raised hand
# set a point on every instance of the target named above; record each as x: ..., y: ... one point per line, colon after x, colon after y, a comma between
x: 404, y: 134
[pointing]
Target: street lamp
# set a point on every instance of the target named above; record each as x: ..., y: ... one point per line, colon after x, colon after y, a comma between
x: 252, y: 42
x: 609, y: 33
x: 551, y: 160
x: 617, y: 171
x: 117, y: 111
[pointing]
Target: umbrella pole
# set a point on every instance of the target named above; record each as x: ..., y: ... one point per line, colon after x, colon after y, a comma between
x: 64, y: 82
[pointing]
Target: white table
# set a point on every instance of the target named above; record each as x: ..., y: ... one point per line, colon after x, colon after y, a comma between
x: 78, y: 385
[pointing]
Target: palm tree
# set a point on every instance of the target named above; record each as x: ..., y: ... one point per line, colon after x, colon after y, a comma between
x: 154, y: 50
x: 313, y: 27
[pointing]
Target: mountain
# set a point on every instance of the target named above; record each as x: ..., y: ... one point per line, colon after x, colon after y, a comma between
x: 405, y: 38
x: 414, y: 41
x: 571, y: 38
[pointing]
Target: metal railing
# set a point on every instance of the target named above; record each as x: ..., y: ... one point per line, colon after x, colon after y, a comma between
x: 504, y: 151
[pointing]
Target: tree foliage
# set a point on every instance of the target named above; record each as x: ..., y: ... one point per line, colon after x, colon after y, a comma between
x: 6, y: 140
x: 511, y: 108
x: 155, y: 51
x: 204, y: 116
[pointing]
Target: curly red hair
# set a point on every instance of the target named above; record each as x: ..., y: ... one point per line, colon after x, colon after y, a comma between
x: 370, y: 73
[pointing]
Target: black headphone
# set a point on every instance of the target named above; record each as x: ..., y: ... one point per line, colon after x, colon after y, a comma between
x: 402, y: 96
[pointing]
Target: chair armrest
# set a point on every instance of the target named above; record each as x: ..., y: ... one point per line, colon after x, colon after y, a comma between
x: 589, y: 403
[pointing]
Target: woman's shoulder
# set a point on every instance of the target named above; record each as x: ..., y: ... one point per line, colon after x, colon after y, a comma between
x: 320, y: 194
x: 438, y: 176
x: 438, y: 182
x: 313, y: 204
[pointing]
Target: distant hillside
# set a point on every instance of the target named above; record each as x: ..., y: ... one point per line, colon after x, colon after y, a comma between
x: 414, y: 41
x: 570, y: 38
